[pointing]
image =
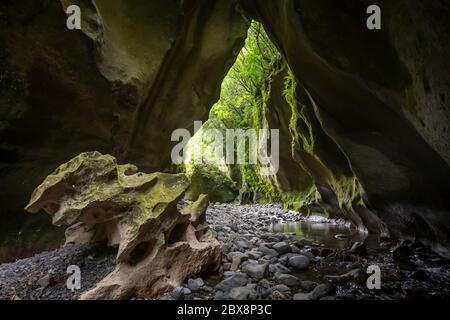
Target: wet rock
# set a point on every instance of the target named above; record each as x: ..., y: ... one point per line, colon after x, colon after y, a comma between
x: 287, y: 279
x: 236, y: 259
x: 243, y: 245
x: 207, y: 289
x: 227, y: 274
x: 243, y: 293
x: 264, y: 288
x: 281, y: 288
x: 195, y: 284
x: 301, y: 296
x: 284, y: 260
x: 177, y: 293
x: 278, y: 268
x: 282, y: 247
x: 187, y: 293
x: 310, y: 254
x: 234, y: 281
x: 303, y: 242
x: 268, y: 252
x: 320, y: 291
x: 308, y: 285
x: 256, y: 271
x: 359, y: 248
x: 255, y: 255
x: 220, y: 295
x: 299, y: 262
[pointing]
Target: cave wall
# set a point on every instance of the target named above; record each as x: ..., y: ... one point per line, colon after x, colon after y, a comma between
x: 135, y: 72
x: 364, y: 87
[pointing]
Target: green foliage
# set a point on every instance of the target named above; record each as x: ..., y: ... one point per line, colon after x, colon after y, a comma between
x: 256, y: 183
x: 298, y: 118
x: 208, y: 179
x: 244, y: 92
x: 243, y: 89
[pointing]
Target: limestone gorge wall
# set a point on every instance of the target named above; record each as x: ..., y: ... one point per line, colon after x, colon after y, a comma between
x: 372, y: 111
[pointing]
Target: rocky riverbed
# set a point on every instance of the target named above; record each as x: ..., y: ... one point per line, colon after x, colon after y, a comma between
x: 268, y: 253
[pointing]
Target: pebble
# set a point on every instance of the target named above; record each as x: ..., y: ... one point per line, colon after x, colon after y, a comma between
x: 195, y: 284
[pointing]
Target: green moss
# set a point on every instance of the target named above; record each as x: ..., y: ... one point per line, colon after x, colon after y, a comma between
x: 208, y: 179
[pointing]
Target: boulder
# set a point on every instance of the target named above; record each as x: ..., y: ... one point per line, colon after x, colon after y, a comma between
x: 320, y: 291
x: 286, y: 279
x: 243, y: 293
x: 234, y: 281
x: 256, y: 271
x: 299, y: 262
x: 158, y: 246
x: 282, y: 247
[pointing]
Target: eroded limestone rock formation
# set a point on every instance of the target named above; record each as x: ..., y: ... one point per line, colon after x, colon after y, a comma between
x: 158, y: 246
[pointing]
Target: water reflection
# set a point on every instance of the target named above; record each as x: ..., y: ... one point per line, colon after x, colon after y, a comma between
x: 331, y: 235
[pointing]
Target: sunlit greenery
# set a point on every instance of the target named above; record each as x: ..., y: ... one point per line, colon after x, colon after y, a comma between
x: 242, y: 104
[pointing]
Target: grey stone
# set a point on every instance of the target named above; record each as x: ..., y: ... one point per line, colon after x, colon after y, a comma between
x: 268, y: 252
x: 299, y: 262
x: 256, y: 271
x: 229, y: 273
x: 278, y: 268
x: 195, y: 284
x: 220, y: 295
x: 255, y: 255
x: 320, y: 291
x: 243, y: 293
x: 301, y: 296
x: 177, y: 293
x: 234, y: 281
x: 308, y: 285
x: 303, y: 242
x: 282, y: 247
x: 287, y: 279
x: 281, y: 288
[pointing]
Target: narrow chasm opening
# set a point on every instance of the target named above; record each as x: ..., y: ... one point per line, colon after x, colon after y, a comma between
x: 234, y: 156
x: 258, y: 148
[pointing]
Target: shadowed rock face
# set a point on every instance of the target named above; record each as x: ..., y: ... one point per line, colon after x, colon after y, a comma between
x: 102, y: 201
x: 377, y: 101
x: 365, y: 89
x: 137, y: 71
